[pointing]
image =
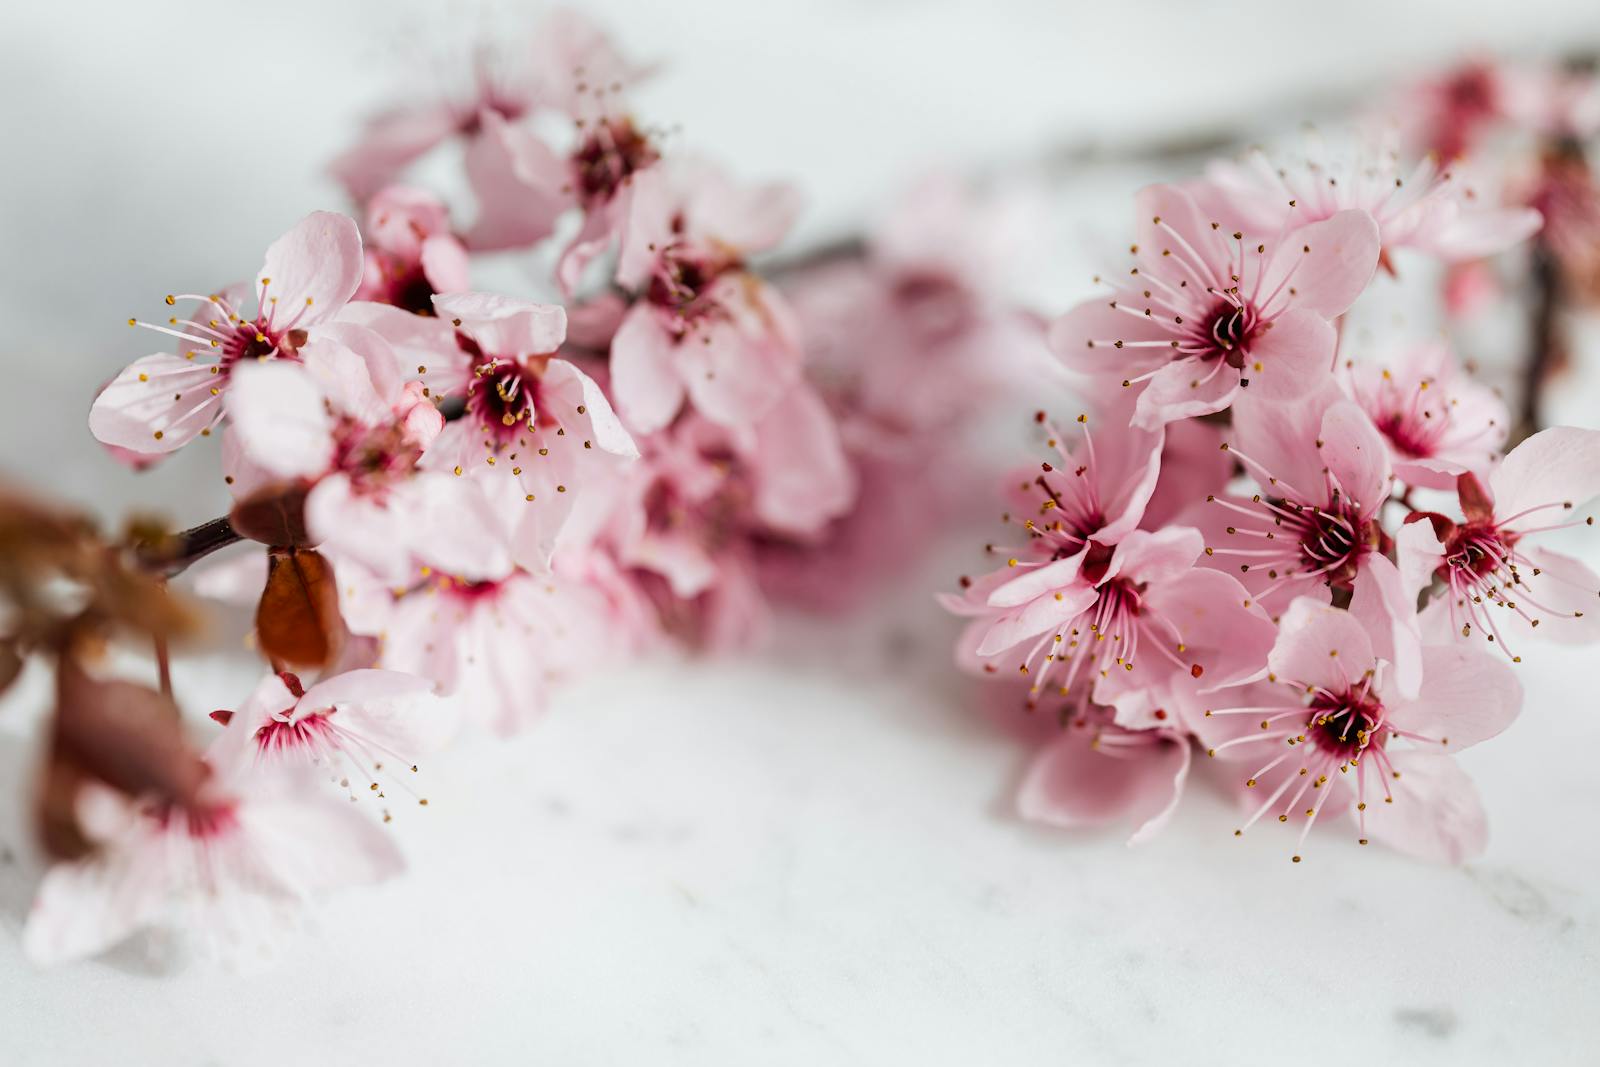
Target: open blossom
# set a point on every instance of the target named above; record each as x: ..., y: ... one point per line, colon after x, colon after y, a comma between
x: 1437, y: 422
x: 567, y: 59
x: 1323, y: 475
x: 1095, y: 773
x: 1117, y: 620
x: 1499, y: 583
x: 1339, y: 735
x: 495, y: 646
x: 1433, y: 209
x: 1208, y: 310
x: 411, y: 253
x: 163, y: 401
x: 351, y: 724
x: 536, y: 429
x: 703, y: 325
x: 704, y: 496
x: 217, y: 870
x: 341, y: 422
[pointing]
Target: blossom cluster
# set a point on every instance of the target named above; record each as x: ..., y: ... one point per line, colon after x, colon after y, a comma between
x: 461, y: 497
x: 1314, y: 566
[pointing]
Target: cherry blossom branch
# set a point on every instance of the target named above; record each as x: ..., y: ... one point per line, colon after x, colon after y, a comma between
x: 175, y: 554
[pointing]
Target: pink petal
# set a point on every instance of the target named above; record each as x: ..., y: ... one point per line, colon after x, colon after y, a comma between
x: 572, y: 388
x: 156, y: 404
x: 388, y: 144
x: 445, y: 264
x: 504, y: 326
x: 1355, y: 454
x: 1197, y: 244
x: 1320, y: 645
x: 1155, y: 557
x: 1388, y: 611
x: 424, y: 345
x: 1469, y: 695
x: 1554, y: 466
x: 1227, y: 639
x: 1291, y: 359
x: 1034, y: 618
x: 521, y: 185
x: 1027, y: 583
x: 314, y: 270
x: 743, y: 363
x: 803, y: 479
x: 1185, y: 389
x: 1342, y: 257
x: 644, y: 371
x: 1073, y: 785
x: 1436, y: 814
x: 1097, y: 321
x: 279, y: 419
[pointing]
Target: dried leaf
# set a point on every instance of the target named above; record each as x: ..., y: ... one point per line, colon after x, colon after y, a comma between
x: 125, y: 734
x: 298, y: 622
x: 120, y: 733
x: 276, y: 517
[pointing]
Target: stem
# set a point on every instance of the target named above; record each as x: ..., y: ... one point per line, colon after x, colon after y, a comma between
x: 163, y: 665
x: 175, y: 554
x: 1542, y: 341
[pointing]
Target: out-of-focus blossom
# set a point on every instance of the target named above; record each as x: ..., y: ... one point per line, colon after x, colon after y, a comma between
x: 411, y: 253
x: 704, y: 327
x: 163, y: 401
x: 220, y: 870
x: 1207, y: 311
x: 1437, y: 422
x: 567, y: 61
x: 1433, y: 209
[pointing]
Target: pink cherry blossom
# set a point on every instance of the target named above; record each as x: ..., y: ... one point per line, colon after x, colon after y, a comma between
x: 351, y: 724
x: 1323, y: 475
x: 567, y: 62
x: 1340, y: 734
x: 1498, y: 581
x: 341, y: 422
x: 1095, y: 773
x: 1121, y: 620
x: 163, y: 401
x: 703, y: 326
x: 1209, y: 310
x: 411, y: 253
x: 536, y: 429
x: 1437, y: 422
x: 221, y: 871
x: 705, y: 496
x: 1432, y: 209
x: 496, y: 647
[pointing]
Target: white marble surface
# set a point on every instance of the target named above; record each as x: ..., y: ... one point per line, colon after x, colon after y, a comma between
x: 807, y: 856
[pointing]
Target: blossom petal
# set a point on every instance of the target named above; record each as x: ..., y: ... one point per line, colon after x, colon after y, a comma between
x: 279, y: 420
x: 1436, y: 814
x: 313, y: 270
x: 1319, y: 645
x: 644, y: 375
x: 156, y: 404
x: 505, y: 326
x: 1327, y: 263
x: 1560, y: 465
x: 1291, y: 359
x: 1185, y: 389
x: 1072, y: 784
x: 1469, y: 696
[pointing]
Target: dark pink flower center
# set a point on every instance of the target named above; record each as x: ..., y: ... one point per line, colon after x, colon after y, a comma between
x: 1344, y: 725
x: 1228, y: 330
x: 613, y: 152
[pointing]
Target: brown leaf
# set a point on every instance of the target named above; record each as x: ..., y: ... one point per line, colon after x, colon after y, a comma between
x: 276, y: 516
x: 298, y: 621
x: 120, y: 733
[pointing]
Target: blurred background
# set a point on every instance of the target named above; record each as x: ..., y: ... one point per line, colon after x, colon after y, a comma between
x: 809, y: 853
